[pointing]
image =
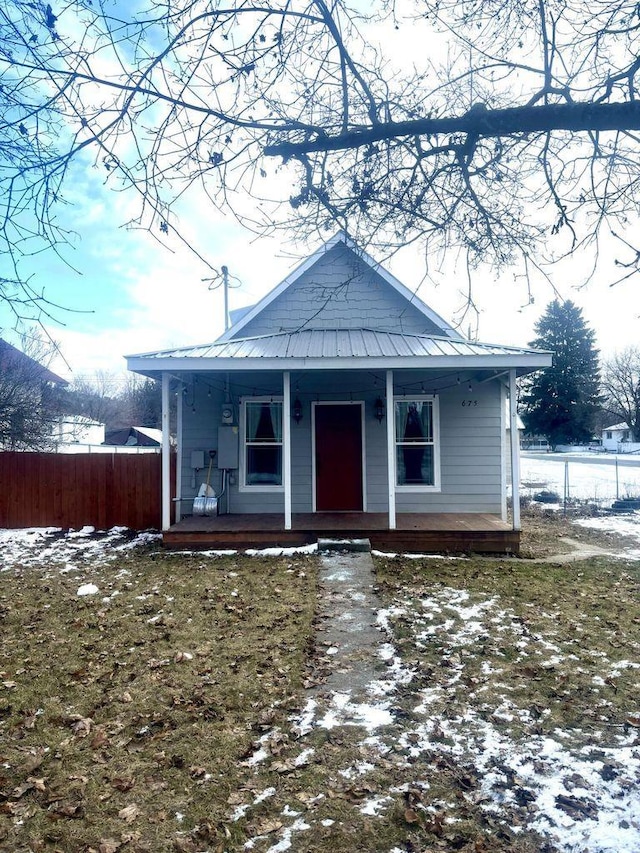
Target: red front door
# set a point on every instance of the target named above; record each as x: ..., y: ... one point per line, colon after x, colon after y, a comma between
x: 338, y: 457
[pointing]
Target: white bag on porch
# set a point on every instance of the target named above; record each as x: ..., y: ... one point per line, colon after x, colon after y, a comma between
x: 206, y: 503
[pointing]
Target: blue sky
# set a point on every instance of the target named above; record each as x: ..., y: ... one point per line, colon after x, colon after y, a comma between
x: 130, y: 291
x: 133, y: 292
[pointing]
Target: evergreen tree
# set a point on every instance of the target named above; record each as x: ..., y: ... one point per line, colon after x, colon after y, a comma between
x: 562, y: 402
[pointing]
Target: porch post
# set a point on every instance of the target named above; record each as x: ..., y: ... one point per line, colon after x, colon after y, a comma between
x: 515, y: 449
x: 391, y: 450
x: 166, y: 455
x: 179, y: 412
x: 286, y: 442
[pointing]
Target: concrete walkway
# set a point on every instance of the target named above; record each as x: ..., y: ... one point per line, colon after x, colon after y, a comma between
x: 347, y: 638
x: 581, y: 551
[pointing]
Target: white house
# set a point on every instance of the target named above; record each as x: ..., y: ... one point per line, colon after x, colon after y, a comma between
x: 77, y: 430
x: 617, y: 438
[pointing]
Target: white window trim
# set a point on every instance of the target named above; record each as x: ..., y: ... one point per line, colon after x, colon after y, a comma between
x: 435, y: 401
x: 257, y: 487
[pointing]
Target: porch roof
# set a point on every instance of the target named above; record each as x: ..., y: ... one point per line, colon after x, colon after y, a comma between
x: 338, y: 349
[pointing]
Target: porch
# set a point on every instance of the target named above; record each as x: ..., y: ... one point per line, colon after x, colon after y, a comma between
x: 414, y: 533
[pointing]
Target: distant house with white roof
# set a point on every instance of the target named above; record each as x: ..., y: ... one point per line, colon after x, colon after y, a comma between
x: 78, y: 430
x: 618, y: 439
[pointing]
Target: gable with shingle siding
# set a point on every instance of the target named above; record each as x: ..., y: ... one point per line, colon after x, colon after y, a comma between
x: 340, y: 291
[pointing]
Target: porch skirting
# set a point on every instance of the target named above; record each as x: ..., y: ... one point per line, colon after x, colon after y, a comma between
x: 415, y: 532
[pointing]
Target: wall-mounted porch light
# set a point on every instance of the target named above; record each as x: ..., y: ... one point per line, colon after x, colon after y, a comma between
x: 297, y: 410
x: 378, y: 408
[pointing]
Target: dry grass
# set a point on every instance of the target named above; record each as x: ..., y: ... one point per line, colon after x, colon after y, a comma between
x: 132, y: 724
x: 119, y: 717
x: 588, y: 611
x: 543, y: 532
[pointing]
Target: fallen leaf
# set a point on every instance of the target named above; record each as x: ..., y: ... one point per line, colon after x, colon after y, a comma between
x: 129, y: 813
x: 205, y: 832
x: 34, y: 761
x: 82, y: 727
x: 411, y: 816
x: 235, y: 798
x: 30, y: 719
x: 577, y: 808
x: 109, y: 845
x: 99, y: 739
x: 184, y: 845
x: 123, y: 783
x: 282, y: 766
x: 71, y: 810
x: 21, y: 790
x: 412, y: 796
x: 268, y: 826
x: 305, y: 797
x: 436, y: 824
x: 356, y: 795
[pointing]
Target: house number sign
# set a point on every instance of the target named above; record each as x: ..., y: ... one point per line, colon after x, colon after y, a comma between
x: 470, y: 403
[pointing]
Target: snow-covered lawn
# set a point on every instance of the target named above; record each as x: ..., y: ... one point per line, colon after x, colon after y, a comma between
x: 587, y: 480
x: 68, y: 550
x: 503, y: 706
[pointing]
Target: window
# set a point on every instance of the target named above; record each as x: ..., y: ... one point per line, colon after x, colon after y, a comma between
x: 416, y: 428
x: 262, y: 422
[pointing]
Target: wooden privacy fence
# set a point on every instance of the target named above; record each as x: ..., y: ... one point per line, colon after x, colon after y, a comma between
x: 74, y: 490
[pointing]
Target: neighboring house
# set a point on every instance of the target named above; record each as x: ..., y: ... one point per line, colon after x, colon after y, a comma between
x: 534, y: 442
x: 618, y: 438
x: 342, y: 402
x: 77, y: 430
x: 13, y: 359
x: 29, y: 401
x: 135, y: 436
x: 77, y: 434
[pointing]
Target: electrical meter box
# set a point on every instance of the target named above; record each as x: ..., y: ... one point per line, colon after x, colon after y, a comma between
x: 197, y: 459
x: 226, y: 414
x: 227, y: 447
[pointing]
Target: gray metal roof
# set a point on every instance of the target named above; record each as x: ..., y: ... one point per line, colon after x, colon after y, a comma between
x: 337, y: 343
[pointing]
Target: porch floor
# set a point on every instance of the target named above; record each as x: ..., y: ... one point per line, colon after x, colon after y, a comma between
x: 415, y: 532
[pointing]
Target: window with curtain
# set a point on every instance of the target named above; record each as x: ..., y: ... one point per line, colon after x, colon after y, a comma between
x: 416, y: 443
x: 263, y: 443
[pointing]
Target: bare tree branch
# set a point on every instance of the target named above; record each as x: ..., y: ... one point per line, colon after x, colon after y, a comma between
x: 525, y: 129
x: 621, y: 385
x: 479, y: 121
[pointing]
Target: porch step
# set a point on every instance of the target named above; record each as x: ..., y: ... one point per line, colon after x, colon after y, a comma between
x: 354, y: 545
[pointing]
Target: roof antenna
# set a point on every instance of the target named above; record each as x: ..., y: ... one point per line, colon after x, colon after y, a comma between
x: 222, y: 279
x: 225, y: 285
